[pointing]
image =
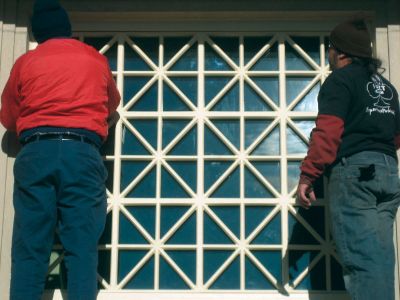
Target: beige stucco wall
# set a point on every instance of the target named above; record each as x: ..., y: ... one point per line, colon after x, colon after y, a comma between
x: 13, y: 43
x: 14, y: 16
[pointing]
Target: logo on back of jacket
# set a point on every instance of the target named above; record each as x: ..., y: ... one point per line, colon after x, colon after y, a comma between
x: 381, y: 94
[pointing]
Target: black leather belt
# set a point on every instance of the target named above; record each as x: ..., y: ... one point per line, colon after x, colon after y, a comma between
x: 66, y: 136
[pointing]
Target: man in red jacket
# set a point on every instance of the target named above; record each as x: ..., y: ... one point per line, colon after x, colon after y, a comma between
x: 355, y: 139
x: 58, y: 99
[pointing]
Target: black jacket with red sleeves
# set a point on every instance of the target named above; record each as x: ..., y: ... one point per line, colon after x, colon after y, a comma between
x: 356, y: 112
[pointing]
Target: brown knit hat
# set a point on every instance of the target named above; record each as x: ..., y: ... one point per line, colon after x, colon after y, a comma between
x: 352, y: 37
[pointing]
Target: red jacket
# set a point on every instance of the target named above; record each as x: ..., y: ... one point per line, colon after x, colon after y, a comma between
x: 62, y: 83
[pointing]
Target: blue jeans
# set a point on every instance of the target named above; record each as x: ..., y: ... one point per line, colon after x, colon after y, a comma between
x: 364, y: 195
x: 59, y: 184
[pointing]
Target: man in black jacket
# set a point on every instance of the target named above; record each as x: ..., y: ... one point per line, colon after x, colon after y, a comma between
x: 356, y: 137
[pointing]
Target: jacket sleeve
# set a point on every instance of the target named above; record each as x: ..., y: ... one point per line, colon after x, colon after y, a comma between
x: 333, y: 105
x: 324, y: 144
x: 113, y: 94
x: 10, y: 99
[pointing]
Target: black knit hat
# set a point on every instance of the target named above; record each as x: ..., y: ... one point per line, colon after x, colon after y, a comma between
x: 352, y: 37
x: 49, y: 20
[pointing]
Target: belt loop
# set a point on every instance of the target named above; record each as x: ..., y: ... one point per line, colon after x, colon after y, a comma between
x: 343, y: 161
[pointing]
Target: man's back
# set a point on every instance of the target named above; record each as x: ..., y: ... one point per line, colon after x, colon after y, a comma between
x: 367, y: 104
x: 63, y: 83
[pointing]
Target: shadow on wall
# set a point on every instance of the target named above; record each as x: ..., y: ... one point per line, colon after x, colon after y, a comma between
x: 10, y: 144
x: 305, y: 250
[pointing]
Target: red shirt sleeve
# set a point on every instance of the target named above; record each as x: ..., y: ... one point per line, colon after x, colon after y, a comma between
x: 113, y: 94
x: 324, y: 144
x: 10, y: 99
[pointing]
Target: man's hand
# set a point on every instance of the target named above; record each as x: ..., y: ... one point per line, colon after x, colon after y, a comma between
x: 305, y: 195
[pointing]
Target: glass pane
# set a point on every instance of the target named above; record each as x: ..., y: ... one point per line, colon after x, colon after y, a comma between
x: 230, y: 215
x: 171, y: 128
x: 187, y: 145
x: 213, y: 145
x: 213, y: 233
x: 188, y: 86
x: 269, y: 61
x: 213, y: 61
x: 253, y: 187
x: 230, y: 187
x: 131, y: 144
x: 255, y: 279
x: 147, y: 129
x: 230, y: 100
x: 146, y: 216
x: 170, y: 215
x: 213, y: 85
x: 270, y: 86
x: 187, y: 170
x: 271, y: 234
x: 230, y: 129
x: 128, y: 233
x: 253, y: 101
x: 272, y: 261
x: 336, y: 275
x: 294, y: 61
x: 295, y: 145
x: 143, y: 189
x: 293, y: 173
x: 144, y: 278
x: 109, y: 164
x: 315, y: 216
x: 326, y: 42
x: 104, y: 267
x: 294, y: 86
x: 253, y: 129
x: 149, y: 45
x: 98, y: 43
x: 213, y: 170
x: 169, y: 278
x: 186, y: 260
x: 305, y: 127
x: 130, y: 170
x: 187, y: 61
x: 148, y: 101
x: 133, y: 61
x: 230, y: 46
x: 106, y: 235
x: 230, y: 278
x: 298, y: 234
x: 170, y: 188
x: 213, y: 259
x: 186, y: 233
x: 270, y: 145
x: 173, y: 102
x: 309, y: 101
x: 146, y: 187
x: 310, y: 45
x: 107, y: 148
x: 254, y: 215
x: 252, y: 45
x: 316, y: 279
x: 271, y: 171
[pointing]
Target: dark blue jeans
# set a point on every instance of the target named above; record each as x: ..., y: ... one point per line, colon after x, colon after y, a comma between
x: 58, y: 184
x: 364, y: 195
